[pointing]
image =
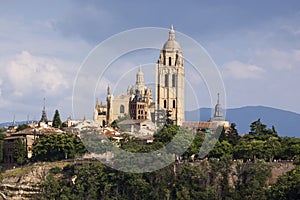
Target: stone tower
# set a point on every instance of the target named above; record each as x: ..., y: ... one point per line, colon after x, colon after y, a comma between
x: 218, y: 115
x: 169, y: 92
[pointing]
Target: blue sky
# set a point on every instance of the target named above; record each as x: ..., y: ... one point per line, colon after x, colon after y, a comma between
x: 255, y: 45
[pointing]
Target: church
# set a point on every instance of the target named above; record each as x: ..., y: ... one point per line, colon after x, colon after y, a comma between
x: 138, y: 104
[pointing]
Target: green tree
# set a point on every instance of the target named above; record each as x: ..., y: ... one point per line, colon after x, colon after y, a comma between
x: 20, y: 152
x: 54, y: 147
x: 260, y: 131
x: 252, y: 182
x: 233, y: 135
x: 272, y: 148
x: 286, y: 187
x: 22, y: 127
x: 290, y: 148
x: 166, y: 134
x: 194, y: 148
x: 56, y: 120
x: 2, y: 136
x: 221, y: 149
x: 249, y: 149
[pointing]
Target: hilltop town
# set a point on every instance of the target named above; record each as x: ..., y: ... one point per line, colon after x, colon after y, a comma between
x: 216, y: 161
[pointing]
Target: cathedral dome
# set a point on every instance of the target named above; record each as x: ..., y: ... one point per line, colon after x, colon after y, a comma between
x: 172, y: 44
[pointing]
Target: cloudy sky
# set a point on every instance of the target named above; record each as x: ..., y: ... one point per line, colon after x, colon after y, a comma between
x: 255, y: 45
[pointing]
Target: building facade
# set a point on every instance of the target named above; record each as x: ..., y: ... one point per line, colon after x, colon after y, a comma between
x: 169, y: 93
x: 138, y: 102
x: 134, y: 104
x: 138, y: 107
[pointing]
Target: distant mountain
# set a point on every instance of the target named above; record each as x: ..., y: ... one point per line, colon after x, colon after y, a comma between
x: 285, y: 122
x: 7, y: 124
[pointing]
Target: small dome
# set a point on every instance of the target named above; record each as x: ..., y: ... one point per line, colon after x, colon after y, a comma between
x: 172, y: 44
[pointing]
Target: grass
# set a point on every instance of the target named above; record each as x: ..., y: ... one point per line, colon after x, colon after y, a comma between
x: 21, y: 171
x: 17, y: 172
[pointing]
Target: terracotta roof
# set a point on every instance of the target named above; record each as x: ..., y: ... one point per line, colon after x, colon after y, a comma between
x: 200, y: 125
x: 131, y: 121
x: 13, y: 137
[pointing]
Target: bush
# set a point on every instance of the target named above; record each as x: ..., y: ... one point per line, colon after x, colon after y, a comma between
x: 55, y: 170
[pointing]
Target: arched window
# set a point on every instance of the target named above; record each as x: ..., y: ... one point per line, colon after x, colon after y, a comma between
x: 122, y: 108
x: 173, y: 80
x: 166, y: 80
x: 174, y: 104
x: 170, y: 61
x: 165, y: 103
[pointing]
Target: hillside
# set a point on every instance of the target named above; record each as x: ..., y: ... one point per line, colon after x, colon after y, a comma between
x: 58, y: 180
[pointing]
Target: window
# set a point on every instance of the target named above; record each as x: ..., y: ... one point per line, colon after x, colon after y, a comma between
x: 176, y: 60
x: 122, y: 109
x: 166, y: 80
x: 174, y: 80
x: 170, y: 61
x: 165, y: 103
x: 174, y: 104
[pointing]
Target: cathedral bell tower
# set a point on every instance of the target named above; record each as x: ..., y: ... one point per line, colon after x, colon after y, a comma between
x: 169, y: 92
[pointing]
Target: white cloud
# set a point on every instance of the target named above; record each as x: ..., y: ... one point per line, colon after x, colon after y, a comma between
x: 278, y: 59
x: 239, y: 70
x: 30, y: 74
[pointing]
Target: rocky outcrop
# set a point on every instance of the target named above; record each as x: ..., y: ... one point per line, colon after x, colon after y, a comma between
x: 23, y: 183
x: 280, y: 168
x: 277, y: 169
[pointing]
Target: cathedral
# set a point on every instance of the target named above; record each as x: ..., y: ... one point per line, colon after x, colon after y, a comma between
x: 138, y: 103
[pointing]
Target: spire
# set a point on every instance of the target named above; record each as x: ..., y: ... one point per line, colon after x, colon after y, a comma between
x: 44, y: 104
x: 140, y: 77
x: 108, y: 90
x: 44, y: 115
x: 97, y: 103
x: 171, y: 33
x: 14, y: 121
x: 218, y: 110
